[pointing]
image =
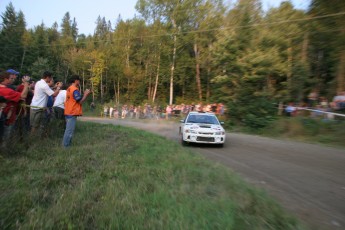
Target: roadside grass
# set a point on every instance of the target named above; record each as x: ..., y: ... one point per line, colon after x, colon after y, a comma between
x: 121, y: 178
x: 304, y: 129
x: 327, y: 132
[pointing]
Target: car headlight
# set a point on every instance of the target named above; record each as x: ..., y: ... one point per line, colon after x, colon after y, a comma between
x: 190, y: 131
x: 219, y: 133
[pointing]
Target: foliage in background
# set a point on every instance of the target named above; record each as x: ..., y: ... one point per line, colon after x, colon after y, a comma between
x: 254, y: 112
x: 190, y: 51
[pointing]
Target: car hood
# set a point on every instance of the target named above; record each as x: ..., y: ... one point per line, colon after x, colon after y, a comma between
x: 200, y: 126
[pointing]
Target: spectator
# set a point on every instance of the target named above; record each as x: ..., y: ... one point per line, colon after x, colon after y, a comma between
x: 137, y: 112
x: 39, y: 101
x: 111, y: 110
x: 290, y: 110
x: 220, y: 109
x: 23, y: 111
x: 324, y: 103
x: 131, y: 111
x: 312, y: 98
x: 338, y: 102
x: 13, y: 77
x: 168, y: 111
x: 105, y: 111
x: 73, y: 108
x: 59, y: 106
x: 2, y: 117
x: 124, y: 112
x: 116, y: 113
x: 13, y: 98
x: 49, y: 110
x: 92, y: 106
x: 214, y: 108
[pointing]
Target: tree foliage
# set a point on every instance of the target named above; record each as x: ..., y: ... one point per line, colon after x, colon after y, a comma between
x: 190, y: 51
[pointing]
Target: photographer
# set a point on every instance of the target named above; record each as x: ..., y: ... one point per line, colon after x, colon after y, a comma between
x: 39, y: 102
x: 13, y: 99
x: 73, y: 108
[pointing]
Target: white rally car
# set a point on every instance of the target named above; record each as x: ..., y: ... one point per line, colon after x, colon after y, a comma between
x: 199, y: 127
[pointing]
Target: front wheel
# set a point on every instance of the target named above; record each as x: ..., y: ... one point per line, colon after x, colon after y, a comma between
x: 184, y: 143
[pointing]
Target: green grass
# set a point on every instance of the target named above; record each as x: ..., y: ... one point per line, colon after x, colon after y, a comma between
x: 121, y: 178
x: 327, y: 132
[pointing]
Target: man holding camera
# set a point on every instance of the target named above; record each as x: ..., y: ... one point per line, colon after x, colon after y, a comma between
x: 39, y: 101
x: 73, y: 108
x: 13, y: 99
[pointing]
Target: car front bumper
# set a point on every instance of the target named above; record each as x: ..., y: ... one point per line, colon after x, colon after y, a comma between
x: 206, y: 139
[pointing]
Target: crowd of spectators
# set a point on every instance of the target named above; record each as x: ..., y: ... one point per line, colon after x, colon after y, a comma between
x: 318, y: 106
x: 159, y: 112
x: 30, y: 108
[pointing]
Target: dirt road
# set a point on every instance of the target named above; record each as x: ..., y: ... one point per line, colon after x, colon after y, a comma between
x: 308, y: 180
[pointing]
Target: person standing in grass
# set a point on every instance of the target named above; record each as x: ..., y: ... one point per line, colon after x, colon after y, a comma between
x: 39, y: 102
x: 59, y: 107
x: 13, y: 99
x: 73, y: 108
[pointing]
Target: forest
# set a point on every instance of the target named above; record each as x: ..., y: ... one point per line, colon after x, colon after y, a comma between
x: 191, y: 51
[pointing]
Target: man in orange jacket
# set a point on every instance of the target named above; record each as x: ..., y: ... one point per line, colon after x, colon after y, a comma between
x: 73, y: 108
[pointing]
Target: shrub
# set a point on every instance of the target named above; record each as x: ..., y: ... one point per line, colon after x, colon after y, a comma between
x: 252, y: 112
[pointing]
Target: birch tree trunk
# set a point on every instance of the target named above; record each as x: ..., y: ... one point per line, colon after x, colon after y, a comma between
x: 157, y: 77
x: 173, y: 68
x: 208, y: 93
x: 128, y: 46
x: 197, y: 70
x: 149, y: 87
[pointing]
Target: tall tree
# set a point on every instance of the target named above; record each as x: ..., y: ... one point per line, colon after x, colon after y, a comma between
x: 328, y: 43
x: 172, y: 12
x: 11, y: 35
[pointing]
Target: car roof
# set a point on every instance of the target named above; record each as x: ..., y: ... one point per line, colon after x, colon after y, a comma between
x: 200, y: 113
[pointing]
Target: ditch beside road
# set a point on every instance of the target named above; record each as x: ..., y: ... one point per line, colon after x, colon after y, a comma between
x: 307, y: 179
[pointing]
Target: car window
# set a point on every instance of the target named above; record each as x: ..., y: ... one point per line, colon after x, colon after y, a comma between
x: 203, y: 119
x: 191, y: 119
x: 210, y: 120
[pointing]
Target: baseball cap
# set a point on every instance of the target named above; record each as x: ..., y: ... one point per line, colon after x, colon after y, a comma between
x: 12, y: 71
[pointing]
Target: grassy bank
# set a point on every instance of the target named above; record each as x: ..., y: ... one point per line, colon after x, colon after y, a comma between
x: 327, y: 132
x: 304, y: 129
x: 121, y: 178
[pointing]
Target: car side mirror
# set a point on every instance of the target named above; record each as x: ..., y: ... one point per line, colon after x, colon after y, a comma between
x: 182, y: 121
x: 222, y: 122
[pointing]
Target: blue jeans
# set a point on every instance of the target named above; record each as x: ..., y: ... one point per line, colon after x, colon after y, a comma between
x: 70, y: 127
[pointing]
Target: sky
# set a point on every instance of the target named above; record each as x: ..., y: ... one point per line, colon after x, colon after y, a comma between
x: 86, y: 12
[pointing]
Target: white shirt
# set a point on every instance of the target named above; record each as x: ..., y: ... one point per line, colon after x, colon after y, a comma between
x: 41, y: 93
x: 60, y: 99
x: 339, y: 98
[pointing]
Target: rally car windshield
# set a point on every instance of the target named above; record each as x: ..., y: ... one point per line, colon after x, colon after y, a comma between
x: 203, y: 119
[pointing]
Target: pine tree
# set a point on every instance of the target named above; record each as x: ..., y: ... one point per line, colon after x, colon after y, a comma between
x: 11, y: 35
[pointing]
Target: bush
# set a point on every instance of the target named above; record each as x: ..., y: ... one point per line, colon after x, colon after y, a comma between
x: 253, y: 112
